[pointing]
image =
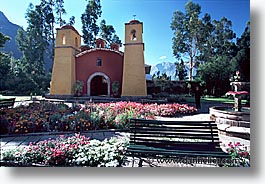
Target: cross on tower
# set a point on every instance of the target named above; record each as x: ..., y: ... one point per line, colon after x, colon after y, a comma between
x: 134, y: 17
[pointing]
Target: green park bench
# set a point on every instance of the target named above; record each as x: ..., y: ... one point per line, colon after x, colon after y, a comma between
x: 175, y: 140
x: 7, y: 102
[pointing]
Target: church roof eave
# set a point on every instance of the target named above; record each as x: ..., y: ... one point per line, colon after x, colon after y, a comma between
x: 98, y: 49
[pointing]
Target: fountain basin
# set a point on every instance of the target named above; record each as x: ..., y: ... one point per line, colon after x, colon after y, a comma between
x: 229, y: 114
x: 231, y: 122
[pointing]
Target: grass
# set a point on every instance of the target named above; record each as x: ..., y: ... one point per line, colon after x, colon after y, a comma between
x: 225, y: 100
x: 222, y: 100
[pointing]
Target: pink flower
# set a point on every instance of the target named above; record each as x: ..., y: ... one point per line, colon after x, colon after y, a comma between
x: 246, y: 154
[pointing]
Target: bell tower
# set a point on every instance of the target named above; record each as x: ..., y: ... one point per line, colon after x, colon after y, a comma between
x: 134, y: 81
x: 68, y: 42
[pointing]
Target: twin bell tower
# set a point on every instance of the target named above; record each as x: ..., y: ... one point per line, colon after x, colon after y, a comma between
x: 68, y: 44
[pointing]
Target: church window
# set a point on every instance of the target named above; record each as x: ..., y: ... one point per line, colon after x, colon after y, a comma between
x: 76, y: 42
x: 99, y: 62
x: 133, y: 35
x: 64, y: 39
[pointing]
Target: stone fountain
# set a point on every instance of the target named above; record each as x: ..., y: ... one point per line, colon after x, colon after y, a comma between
x: 235, y: 120
x: 238, y: 94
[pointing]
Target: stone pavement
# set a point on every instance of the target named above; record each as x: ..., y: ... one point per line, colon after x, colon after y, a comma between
x: 9, y: 142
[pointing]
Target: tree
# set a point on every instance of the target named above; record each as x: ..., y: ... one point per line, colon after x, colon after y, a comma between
x: 4, y: 62
x: 161, y: 81
x: 71, y: 21
x: 5, y: 67
x: 217, y: 40
x: 217, y: 52
x: 181, y: 71
x: 3, y: 39
x: 206, y: 39
x: 59, y: 11
x: 52, y: 12
x: 223, y: 37
x: 208, y: 44
x: 89, y: 19
x: 187, y: 29
x: 242, y: 58
x: 215, y: 75
x: 33, y: 44
x: 107, y: 32
x: 116, y: 39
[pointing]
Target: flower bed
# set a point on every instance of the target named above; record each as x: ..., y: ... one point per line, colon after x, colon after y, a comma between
x: 75, y: 150
x: 79, y: 150
x: 36, y: 117
x: 46, y: 117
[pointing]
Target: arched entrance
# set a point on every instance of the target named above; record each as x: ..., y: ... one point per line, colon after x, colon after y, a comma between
x: 98, y: 84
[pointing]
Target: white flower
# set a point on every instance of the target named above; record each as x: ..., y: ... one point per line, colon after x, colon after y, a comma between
x: 112, y: 163
x: 78, y: 160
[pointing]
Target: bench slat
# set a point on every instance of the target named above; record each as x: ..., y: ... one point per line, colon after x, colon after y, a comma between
x: 144, y: 147
x: 164, y: 128
x: 191, y: 147
x: 177, y: 145
x: 178, y: 133
x: 180, y: 126
x: 197, y: 153
x: 152, y: 137
x: 146, y: 121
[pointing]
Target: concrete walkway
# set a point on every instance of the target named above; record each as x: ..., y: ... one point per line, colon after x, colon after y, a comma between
x: 13, y: 141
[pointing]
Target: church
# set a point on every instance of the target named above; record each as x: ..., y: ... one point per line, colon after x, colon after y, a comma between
x: 100, y: 67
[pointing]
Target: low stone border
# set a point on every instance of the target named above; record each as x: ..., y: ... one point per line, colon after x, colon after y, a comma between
x: 235, y: 134
x: 19, y: 164
x: 64, y: 133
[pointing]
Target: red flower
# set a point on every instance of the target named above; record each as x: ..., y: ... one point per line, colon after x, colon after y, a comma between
x: 237, y: 93
x: 246, y: 154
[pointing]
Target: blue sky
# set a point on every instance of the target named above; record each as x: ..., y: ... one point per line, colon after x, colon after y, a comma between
x: 156, y: 16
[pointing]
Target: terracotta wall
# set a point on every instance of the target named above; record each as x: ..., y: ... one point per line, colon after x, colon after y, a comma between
x: 86, y: 65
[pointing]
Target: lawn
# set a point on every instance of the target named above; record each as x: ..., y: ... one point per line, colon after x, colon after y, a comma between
x: 224, y: 100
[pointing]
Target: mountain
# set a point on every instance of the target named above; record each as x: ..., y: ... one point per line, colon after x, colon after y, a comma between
x: 9, y: 29
x: 165, y: 67
x: 170, y: 69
